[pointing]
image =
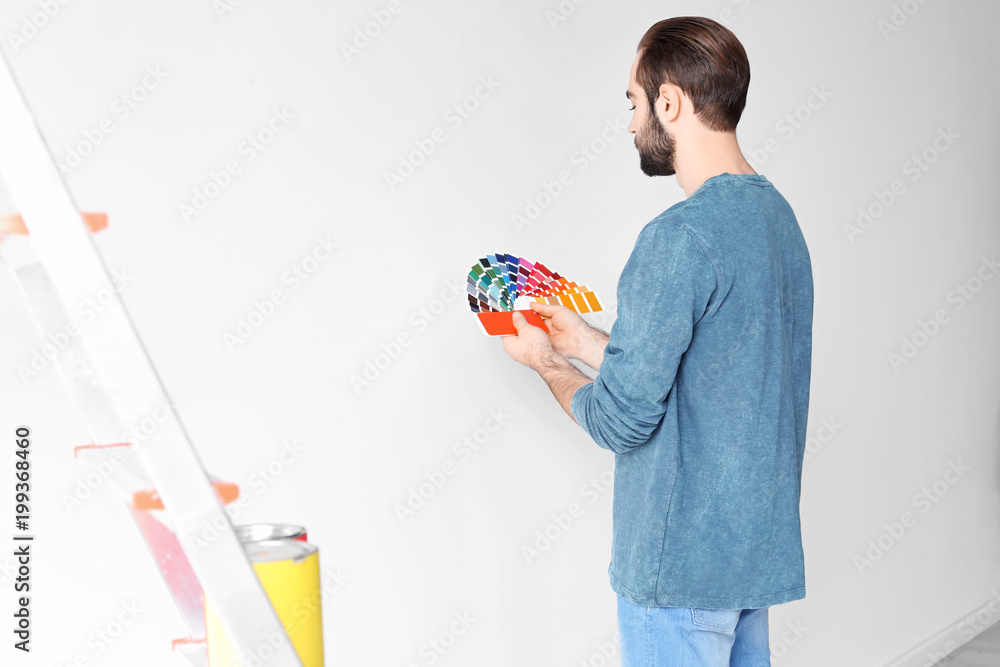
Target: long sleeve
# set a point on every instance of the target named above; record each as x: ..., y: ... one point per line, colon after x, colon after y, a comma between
x: 703, y: 396
x: 664, y: 290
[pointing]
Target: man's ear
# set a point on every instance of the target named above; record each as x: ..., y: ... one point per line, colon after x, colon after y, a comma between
x: 669, y: 102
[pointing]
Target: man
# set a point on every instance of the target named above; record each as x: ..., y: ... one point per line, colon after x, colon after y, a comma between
x: 703, y: 382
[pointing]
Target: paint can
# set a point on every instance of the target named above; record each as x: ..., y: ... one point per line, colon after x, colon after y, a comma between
x: 258, y: 532
x: 288, y: 570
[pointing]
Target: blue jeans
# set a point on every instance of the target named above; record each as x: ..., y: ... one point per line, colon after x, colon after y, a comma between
x: 686, y: 637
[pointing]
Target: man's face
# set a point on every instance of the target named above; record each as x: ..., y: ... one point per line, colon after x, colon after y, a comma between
x: 653, y: 141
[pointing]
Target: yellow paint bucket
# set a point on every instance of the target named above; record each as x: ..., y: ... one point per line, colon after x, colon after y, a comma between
x: 288, y: 570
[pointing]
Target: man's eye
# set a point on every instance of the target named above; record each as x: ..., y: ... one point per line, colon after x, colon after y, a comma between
x: 632, y: 109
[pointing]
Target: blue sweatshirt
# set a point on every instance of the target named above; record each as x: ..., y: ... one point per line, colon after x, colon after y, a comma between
x: 703, y: 396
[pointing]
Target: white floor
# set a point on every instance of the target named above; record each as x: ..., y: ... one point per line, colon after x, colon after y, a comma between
x: 983, y: 651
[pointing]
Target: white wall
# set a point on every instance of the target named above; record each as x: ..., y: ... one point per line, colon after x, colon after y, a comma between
x: 895, y: 429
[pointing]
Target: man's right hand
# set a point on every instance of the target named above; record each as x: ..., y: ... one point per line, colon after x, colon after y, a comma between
x: 570, y: 334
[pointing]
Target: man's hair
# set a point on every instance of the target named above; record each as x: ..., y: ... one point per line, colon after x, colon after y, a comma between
x: 705, y: 60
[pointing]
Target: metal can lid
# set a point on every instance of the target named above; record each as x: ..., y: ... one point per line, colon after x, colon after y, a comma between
x: 268, y: 551
x: 256, y: 532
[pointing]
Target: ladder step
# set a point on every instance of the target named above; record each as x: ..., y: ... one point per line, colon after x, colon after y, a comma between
x: 13, y: 223
x: 149, y: 499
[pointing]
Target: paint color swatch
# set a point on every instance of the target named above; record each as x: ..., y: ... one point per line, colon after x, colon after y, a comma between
x: 500, y: 284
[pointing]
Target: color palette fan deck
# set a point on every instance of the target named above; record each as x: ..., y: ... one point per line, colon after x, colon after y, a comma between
x: 501, y: 284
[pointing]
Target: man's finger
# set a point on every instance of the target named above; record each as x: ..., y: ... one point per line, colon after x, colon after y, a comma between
x: 544, y: 308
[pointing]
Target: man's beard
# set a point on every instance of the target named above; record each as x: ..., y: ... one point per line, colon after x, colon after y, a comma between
x: 656, y: 148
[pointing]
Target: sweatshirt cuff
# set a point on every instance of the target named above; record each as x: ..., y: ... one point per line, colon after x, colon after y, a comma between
x: 577, y: 404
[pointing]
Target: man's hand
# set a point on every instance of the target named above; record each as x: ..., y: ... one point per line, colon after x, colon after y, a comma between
x: 532, y: 348
x: 570, y: 334
x: 531, y: 345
